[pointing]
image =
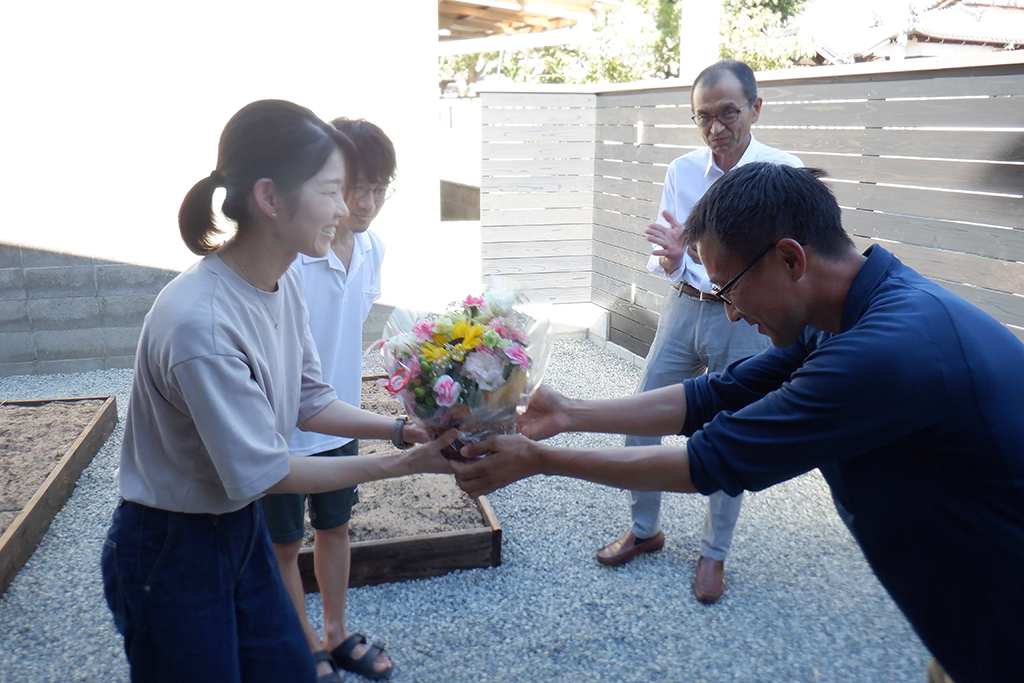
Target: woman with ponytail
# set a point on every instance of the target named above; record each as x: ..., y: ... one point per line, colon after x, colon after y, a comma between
x: 226, y: 369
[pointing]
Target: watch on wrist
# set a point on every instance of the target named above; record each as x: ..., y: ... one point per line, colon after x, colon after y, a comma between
x: 396, y: 433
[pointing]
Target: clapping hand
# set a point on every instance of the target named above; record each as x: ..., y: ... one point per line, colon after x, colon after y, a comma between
x: 669, y: 240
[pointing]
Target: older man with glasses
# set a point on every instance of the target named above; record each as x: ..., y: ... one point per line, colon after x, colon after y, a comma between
x: 694, y: 335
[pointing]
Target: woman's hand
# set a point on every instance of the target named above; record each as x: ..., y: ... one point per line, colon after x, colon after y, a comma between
x: 427, y: 457
x: 413, y: 433
x: 545, y: 416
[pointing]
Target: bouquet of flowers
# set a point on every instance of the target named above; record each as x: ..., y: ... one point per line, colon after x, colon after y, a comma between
x: 469, y: 368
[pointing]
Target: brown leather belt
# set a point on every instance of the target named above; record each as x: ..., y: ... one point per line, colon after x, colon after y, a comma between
x: 690, y: 290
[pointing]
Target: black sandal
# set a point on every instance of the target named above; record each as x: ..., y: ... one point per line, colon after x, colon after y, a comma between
x: 364, y: 665
x: 335, y: 675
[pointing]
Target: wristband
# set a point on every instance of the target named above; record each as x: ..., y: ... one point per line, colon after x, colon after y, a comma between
x: 396, y: 433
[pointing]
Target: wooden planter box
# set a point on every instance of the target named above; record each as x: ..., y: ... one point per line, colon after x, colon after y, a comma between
x: 20, y: 539
x: 417, y: 557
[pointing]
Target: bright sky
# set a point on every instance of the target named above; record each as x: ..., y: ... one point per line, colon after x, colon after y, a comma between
x: 833, y: 15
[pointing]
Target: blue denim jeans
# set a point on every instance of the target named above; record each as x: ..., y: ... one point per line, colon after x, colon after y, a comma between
x: 199, y: 598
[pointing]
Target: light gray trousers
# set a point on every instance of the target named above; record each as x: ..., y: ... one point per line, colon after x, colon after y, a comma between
x: 693, y: 337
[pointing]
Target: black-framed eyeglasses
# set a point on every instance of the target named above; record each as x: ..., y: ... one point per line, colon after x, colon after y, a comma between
x: 720, y: 292
x: 380, y: 194
x: 725, y: 117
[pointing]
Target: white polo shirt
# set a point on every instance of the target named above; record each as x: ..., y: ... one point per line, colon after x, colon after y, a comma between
x: 686, y: 181
x: 339, y: 302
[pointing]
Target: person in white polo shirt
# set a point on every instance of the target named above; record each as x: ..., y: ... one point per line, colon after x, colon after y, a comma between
x: 339, y: 290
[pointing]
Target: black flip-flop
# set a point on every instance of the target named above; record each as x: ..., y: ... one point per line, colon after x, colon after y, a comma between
x: 335, y: 675
x: 364, y: 665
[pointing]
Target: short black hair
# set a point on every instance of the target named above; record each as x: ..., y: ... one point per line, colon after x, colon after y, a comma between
x: 758, y: 204
x: 374, y: 151
x: 743, y: 73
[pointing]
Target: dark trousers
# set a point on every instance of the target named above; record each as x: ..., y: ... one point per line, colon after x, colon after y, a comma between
x: 199, y: 597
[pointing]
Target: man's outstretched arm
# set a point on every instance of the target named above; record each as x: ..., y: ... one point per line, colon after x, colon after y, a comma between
x: 652, y: 413
x: 511, y: 458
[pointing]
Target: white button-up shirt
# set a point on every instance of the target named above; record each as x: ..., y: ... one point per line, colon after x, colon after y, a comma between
x: 686, y: 181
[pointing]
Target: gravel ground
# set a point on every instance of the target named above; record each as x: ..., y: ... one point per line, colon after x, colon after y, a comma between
x: 802, y: 604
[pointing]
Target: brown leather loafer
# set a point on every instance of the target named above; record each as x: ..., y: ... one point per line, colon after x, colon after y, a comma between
x: 709, y: 583
x: 629, y: 546
x: 936, y: 674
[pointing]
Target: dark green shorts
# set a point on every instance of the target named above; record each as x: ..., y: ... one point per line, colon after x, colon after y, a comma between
x: 286, y: 512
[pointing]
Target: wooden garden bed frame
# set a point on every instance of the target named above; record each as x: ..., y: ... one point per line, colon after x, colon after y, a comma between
x: 20, y: 539
x: 373, y: 562
x: 417, y: 557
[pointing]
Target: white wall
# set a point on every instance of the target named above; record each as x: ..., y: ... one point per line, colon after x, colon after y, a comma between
x: 459, y: 123
x: 699, y: 36
x: 112, y: 110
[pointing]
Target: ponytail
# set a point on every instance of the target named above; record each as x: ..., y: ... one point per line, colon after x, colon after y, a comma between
x: 195, y: 217
x: 272, y: 139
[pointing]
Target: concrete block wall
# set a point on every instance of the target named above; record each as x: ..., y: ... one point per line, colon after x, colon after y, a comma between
x: 376, y: 321
x: 459, y: 202
x: 61, y: 313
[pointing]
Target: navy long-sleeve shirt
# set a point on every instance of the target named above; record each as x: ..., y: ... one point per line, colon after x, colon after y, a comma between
x: 914, y: 413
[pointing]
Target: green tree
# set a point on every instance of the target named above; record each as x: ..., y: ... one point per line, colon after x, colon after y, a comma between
x: 666, y: 48
x: 755, y: 31
x: 637, y: 41
x: 787, y: 8
x: 464, y: 70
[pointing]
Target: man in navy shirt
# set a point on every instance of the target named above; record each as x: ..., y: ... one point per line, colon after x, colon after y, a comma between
x: 907, y: 398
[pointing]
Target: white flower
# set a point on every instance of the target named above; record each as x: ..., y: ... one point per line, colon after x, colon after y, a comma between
x: 499, y: 301
x: 485, y: 369
x: 401, y: 345
x: 443, y: 325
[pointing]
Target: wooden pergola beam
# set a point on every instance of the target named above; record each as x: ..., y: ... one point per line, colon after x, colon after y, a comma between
x: 468, y: 19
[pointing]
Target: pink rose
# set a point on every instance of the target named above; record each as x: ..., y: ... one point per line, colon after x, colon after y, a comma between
x: 423, y: 329
x: 446, y: 391
x: 507, y: 329
x: 517, y: 354
x: 477, y: 301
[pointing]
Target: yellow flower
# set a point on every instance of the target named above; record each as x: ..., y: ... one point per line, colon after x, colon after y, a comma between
x: 470, y: 332
x: 433, y: 352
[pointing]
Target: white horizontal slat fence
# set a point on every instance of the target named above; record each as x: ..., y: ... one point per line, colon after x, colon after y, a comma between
x: 926, y: 158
